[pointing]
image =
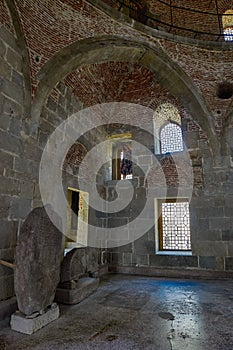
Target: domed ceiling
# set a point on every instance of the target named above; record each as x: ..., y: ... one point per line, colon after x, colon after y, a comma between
x: 203, y: 20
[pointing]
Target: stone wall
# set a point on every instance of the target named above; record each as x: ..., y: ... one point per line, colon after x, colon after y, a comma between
x: 20, y: 154
x: 16, y: 190
x: 211, y: 217
x: 143, y: 68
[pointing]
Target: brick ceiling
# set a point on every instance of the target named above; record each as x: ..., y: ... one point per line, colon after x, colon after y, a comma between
x: 129, y: 83
x: 191, y: 18
x: 50, y: 25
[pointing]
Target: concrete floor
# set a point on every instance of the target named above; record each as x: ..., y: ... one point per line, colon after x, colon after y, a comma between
x: 129, y: 312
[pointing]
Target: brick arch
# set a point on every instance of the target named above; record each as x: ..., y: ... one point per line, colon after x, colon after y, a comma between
x: 113, y: 48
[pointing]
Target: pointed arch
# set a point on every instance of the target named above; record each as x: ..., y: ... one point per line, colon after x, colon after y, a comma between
x: 114, y: 48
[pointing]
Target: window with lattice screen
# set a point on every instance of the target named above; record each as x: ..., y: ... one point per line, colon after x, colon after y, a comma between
x: 228, y: 34
x: 171, y: 138
x: 227, y: 22
x: 174, y: 225
x: 167, y: 119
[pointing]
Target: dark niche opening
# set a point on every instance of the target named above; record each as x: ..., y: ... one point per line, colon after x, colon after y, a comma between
x: 225, y: 90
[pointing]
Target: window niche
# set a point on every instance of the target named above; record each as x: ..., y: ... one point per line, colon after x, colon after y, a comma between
x: 227, y: 23
x: 77, y: 218
x: 173, y: 226
x: 121, y: 146
x: 167, y: 129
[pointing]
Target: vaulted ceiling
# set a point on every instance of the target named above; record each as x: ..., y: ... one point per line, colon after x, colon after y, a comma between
x: 192, y: 18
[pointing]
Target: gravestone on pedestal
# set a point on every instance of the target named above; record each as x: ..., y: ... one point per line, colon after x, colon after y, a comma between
x: 37, y: 272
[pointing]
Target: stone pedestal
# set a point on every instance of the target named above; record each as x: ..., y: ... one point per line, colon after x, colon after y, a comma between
x: 84, y: 288
x: 26, y: 325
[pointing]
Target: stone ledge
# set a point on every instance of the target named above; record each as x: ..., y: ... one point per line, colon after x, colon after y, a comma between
x: 85, y: 287
x: 171, y: 272
x: 21, y: 324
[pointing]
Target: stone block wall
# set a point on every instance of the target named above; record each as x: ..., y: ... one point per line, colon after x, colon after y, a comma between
x: 109, y: 80
x: 16, y: 190
x: 20, y: 154
x: 211, y: 216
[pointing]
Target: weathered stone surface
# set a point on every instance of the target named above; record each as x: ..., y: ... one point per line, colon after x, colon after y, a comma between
x: 207, y: 262
x: 9, y: 143
x: 2, y: 49
x: 20, y: 207
x: 92, y: 260
x: 6, y: 286
x: 25, y: 325
x: 173, y: 260
x: 85, y: 287
x: 38, y: 258
x: 5, y: 202
x: 8, y: 233
x: 7, y: 307
x: 73, y: 265
x: 14, y: 59
x: 229, y: 263
x: 78, y: 262
x: 8, y: 38
x: 5, y: 69
x: 12, y: 90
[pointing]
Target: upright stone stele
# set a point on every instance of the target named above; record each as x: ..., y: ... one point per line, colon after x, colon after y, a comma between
x: 37, y: 272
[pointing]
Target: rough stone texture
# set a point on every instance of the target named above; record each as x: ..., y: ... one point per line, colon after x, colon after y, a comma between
x: 93, y: 262
x: 8, y: 307
x: 74, y: 265
x: 78, y: 262
x: 126, y: 73
x: 38, y: 258
x: 25, y: 325
x: 85, y: 287
x: 141, y: 313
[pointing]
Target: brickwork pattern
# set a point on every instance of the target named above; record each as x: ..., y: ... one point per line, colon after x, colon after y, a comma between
x: 184, y: 18
x: 59, y: 30
x: 59, y: 25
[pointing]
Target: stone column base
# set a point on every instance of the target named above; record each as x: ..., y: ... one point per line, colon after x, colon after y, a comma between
x: 23, y: 324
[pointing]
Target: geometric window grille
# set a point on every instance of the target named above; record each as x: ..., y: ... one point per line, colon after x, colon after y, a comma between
x: 171, y: 138
x: 228, y: 34
x: 227, y: 23
x: 174, y: 225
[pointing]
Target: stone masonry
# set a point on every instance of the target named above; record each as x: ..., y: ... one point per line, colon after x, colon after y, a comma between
x: 58, y: 59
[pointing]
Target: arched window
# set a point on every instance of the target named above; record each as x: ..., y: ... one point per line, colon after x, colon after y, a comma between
x: 167, y: 130
x: 227, y: 23
x: 171, y: 138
